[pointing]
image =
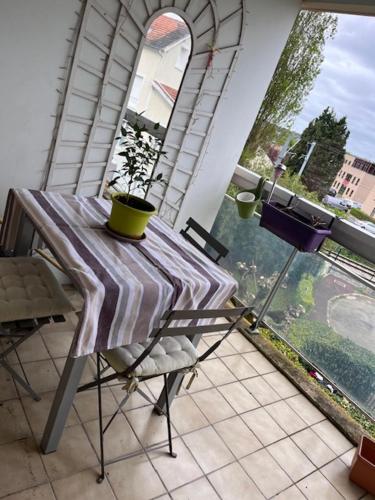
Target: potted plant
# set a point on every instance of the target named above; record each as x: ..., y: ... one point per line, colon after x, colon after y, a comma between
x: 362, y: 470
x: 248, y: 199
x: 307, y: 235
x: 140, y: 151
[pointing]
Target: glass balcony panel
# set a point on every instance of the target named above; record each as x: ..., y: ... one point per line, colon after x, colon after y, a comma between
x: 255, y: 257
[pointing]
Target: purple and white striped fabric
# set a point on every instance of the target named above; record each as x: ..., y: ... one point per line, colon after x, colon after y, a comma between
x: 126, y: 288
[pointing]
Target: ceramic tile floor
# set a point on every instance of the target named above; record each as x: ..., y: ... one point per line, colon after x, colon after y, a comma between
x: 242, y: 431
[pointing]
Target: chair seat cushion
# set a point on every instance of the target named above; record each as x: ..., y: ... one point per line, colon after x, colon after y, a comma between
x: 28, y: 290
x: 169, y: 354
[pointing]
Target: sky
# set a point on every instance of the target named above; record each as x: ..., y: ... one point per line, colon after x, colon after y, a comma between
x: 347, y: 84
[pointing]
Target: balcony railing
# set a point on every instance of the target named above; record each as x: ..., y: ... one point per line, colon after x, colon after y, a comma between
x: 324, y: 309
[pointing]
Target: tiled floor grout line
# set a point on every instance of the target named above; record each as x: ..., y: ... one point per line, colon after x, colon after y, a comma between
x: 209, y: 425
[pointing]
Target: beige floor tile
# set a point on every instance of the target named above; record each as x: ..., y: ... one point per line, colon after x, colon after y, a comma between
x: 239, y: 366
x: 148, y: 426
x: 332, y: 437
x: 186, y: 416
x: 225, y: 348
x: 203, y: 346
x: 74, y: 454
x: 316, y: 487
x: 88, y: 373
x: 213, y: 405
x: 347, y: 457
x: 155, y: 386
x: 217, y: 372
x: 176, y: 471
x: 286, y: 417
x: 83, y: 486
x: 42, y: 375
x: 37, y: 412
x: 266, y: 473
x: 198, y: 490
x: 119, y: 438
x: 21, y: 466
x: 263, y: 426
x: 291, y: 459
x: 259, y: 362
x: 13, y: 423
x: 42, y: 492
x: 232, y: 483
x: 200, y: 383
x: 7, y: 387
x: 238, y: 437
x: 135, y: 400
x: 261, y: 390
x: 208, y: 449
x: 292, y: 493
x: 337, y: 474
x: 64, y: 326
x: 86, y: 404
x: 135, y: 479
x: 316, y: 450
x: 240, y: 342
x: 33, y: 349
x: 306, y: 410
x: 238, y: 397
x: 58, y: 344
x: 281, y: 384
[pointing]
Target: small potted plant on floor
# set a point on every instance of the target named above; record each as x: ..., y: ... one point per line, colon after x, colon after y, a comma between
x: 140, y: 151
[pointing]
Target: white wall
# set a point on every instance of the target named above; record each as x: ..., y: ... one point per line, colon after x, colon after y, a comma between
x: 32, y: 47
x: 268, y: 25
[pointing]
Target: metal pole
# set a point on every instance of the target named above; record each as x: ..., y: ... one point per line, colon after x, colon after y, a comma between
x: 275, y: 287
x: 307, y: 158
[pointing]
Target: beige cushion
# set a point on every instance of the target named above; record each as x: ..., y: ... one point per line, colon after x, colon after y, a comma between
x: 28, y: 289
x: 171, y: 353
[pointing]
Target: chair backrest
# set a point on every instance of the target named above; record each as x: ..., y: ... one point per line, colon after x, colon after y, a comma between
x: 220, y: 249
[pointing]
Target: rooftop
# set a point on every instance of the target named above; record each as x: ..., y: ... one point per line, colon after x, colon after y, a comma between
x: 164, y: 31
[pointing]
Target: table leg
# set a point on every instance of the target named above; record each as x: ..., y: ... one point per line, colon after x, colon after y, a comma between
x: 174, y: 382
x: 25, y: 236
x: 62, y: 403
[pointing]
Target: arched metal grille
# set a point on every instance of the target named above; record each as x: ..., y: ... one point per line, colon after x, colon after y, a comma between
x: 109, y: 45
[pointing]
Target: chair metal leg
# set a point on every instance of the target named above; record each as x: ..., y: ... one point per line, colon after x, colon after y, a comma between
x: 20, y: 380
x: 101, y: 434
x: 171, y: 452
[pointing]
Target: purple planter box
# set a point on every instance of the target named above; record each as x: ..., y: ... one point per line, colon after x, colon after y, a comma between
x: 292, y: 227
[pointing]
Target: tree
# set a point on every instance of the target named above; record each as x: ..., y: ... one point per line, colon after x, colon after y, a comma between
x: 293, y: 79
x: 330, y: 135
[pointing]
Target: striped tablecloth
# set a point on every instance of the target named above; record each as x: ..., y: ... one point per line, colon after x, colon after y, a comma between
x: 126, y: 288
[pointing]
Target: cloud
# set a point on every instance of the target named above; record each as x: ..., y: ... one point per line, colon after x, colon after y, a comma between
x: 347, y: 83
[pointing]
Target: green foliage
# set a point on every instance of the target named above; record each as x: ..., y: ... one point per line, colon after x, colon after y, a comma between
x: 330, y: 135
x: 341, y: 358
x: 141, y: 152
x: 305, y: 291
x: 358, y: 214
x: 367, y: 424
x: 298, y: 67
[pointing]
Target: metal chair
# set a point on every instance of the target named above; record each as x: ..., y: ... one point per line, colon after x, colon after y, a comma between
x: 30, y: 297
x: 170, y: 349
x: 210, y: 241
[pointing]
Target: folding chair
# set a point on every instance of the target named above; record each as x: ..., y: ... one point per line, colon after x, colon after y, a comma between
x: 210, y: 241
x: 170, y: 349
x: 30, y: 297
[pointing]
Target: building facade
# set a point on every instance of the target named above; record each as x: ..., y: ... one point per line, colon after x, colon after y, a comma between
x: 356, y: 181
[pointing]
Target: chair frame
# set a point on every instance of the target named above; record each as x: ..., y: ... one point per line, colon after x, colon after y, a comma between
x: 166, y: 330
x: 221, y: 250
x: 17, y: 332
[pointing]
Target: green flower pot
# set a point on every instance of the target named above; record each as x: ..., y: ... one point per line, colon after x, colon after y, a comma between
x: 130, y: 219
